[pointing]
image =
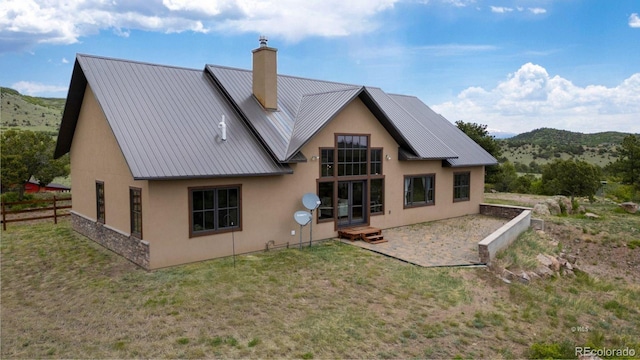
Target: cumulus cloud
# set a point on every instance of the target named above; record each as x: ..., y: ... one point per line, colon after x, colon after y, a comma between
x: 531, y: 98
x: 27, y: 22
x: 634, y: 20
x: 65, y: 61
x: 33, y: 88
x: 537, y: 11
x: 501, y: 9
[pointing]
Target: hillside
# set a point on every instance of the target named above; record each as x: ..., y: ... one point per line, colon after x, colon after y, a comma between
x: 27, y: 112
x: 530, y: 150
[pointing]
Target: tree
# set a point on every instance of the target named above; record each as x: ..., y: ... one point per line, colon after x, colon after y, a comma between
x: 26, y: 154
x: 628, y: 164
x: 571, y: 177
x: 479, y: 134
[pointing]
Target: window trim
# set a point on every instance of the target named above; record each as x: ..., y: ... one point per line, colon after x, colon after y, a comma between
x: 333, y: 164
x: 381, y: 212
x: 337, y: 157
x: 333, y: 201
x: 468, y: 186
x: 371, y: 150
x: 100, y: 199
x: 404, y: 192
x: 190, y: 191
x: 133, y: 213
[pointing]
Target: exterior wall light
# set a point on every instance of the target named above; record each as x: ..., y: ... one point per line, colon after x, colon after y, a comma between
x: 388, y: 157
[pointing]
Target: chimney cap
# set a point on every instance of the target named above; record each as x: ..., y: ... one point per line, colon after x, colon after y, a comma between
x: 263, y: 40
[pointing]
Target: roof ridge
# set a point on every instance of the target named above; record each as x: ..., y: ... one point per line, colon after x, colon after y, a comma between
x: 134, y: 62
x: 284, y: 75
x: 332, y: 91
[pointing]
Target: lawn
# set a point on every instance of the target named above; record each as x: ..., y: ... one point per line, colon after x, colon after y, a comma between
x: 66, y: 297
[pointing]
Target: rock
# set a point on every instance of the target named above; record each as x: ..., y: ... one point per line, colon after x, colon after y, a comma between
x: 553, y: 206
x: 524, y: 278
x: 562, y: 261
x: 629, y: 207
x: 555, y: 264
x: 506, y: 274
x: 591, y: 216
x: 541, y: 209
x: 506, y: 281
x: 564, y: 202
x: 544, y: 271
x: 544, y: 260
x: 533, y: 275
x: 568, y: 266
x: 581, y: 210
x: 567, y: 272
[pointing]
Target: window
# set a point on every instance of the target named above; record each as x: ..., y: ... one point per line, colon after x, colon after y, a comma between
x: 214, y: 210
x: 135, y: 205
x: 352, y: 154
x: 419, y: 190
x: 376, y: 162
x: 100, y: 213
x: 326, y: 162
x: 377, y: 196
x: 325, y: 193
x: 461, y: 186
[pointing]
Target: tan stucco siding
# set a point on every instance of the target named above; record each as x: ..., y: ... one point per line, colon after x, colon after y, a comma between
x: 268, y: 203
x: 96, y: 156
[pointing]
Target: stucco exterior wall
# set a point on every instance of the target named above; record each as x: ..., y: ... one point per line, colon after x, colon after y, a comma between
x: 96, y: 156
x: 268, y: 203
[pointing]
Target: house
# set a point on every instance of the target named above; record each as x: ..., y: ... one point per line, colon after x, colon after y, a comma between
x: 33, y: 186
x: 173, y: 165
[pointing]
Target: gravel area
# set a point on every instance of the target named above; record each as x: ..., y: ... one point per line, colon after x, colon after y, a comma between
x: 450, y: 242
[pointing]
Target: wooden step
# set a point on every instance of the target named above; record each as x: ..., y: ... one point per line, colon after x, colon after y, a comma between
x: 375, y: 239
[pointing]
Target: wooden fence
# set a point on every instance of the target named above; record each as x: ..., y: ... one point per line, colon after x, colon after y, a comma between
x: 58, y: 210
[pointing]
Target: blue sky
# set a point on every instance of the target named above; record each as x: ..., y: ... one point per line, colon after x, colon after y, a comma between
x: 514, y: 65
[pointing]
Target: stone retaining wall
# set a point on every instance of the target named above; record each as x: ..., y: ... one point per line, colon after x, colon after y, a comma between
x: 135, y: 250
x: 507, y: 234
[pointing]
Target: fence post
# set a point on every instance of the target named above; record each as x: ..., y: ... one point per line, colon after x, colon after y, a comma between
x: 55, y: 213
x: 4, y: 217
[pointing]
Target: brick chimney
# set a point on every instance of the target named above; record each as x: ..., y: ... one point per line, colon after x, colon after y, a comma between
x: 265, y: 79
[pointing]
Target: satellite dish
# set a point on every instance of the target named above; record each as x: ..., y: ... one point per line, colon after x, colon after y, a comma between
x: 311, y: 201
x: 302, y: 217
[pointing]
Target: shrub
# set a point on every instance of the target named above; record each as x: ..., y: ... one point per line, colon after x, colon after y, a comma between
x: 563, y: 350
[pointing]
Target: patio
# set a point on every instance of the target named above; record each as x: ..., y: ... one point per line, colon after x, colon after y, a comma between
x: 450, y: 242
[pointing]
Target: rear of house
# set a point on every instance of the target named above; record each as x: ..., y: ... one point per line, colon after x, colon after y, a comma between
x: 158, y: 180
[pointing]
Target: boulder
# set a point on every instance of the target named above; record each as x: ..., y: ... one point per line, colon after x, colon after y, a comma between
x: 544, y: 260
x: 524, y: 278
x: 591, y: 216
x: 568, y: 266
x: 629, y: 207
x: 541, y: 209
x: 506, y: 274
x: 564, y: 202
x: 555, y: 264
x: 544, y: 271
x: 553, y: 206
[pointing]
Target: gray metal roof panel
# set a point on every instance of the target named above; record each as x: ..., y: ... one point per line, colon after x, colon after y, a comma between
x: 165, y: 120
x: 424, y: 143
x: 468, y: 151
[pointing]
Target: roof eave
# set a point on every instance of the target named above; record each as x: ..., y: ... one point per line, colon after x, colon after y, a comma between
x: 71, y: 111
x: 286, y: 171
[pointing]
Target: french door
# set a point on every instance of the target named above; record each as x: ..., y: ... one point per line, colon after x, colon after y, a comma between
x: 351, y: 202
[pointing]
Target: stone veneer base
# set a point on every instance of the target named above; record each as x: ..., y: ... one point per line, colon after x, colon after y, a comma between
x: 135, y: 250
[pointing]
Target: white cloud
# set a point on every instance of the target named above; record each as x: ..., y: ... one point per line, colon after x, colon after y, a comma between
x: 32, y: 88
x: 65, y: 61
x: 501, y: 9
x: 537, y: 11
x: 27, y: 22
x: 634, y: 20
x: 531, y: 98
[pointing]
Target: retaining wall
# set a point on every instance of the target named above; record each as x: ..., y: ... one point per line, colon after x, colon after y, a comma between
x: 504, y: 236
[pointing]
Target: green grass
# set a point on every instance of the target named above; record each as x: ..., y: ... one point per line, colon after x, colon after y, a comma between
x: 65, y: 297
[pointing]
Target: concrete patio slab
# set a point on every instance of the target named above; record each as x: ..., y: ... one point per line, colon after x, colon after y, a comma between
x: 450, y: 242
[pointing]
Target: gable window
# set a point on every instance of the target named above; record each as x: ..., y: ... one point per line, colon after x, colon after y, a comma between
x: 326, y: 162
x: 419, y: 190
x: 376, y: 162
x: 461, y: 186
x: 215, y: 209
x: 100, y: 212
x: 135, y: 205
x: 352, y: 154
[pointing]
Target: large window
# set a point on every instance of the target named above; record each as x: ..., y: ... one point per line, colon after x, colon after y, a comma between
x: 352, y: 154
x: 214, y: 210
x: 326, y: 162
x: 419, y: 190
x: 461, y: 186
x: 100, y: 213
x: 135, y: 205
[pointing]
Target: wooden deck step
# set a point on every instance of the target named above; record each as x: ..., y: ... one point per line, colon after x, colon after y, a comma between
x: 375, y: 239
